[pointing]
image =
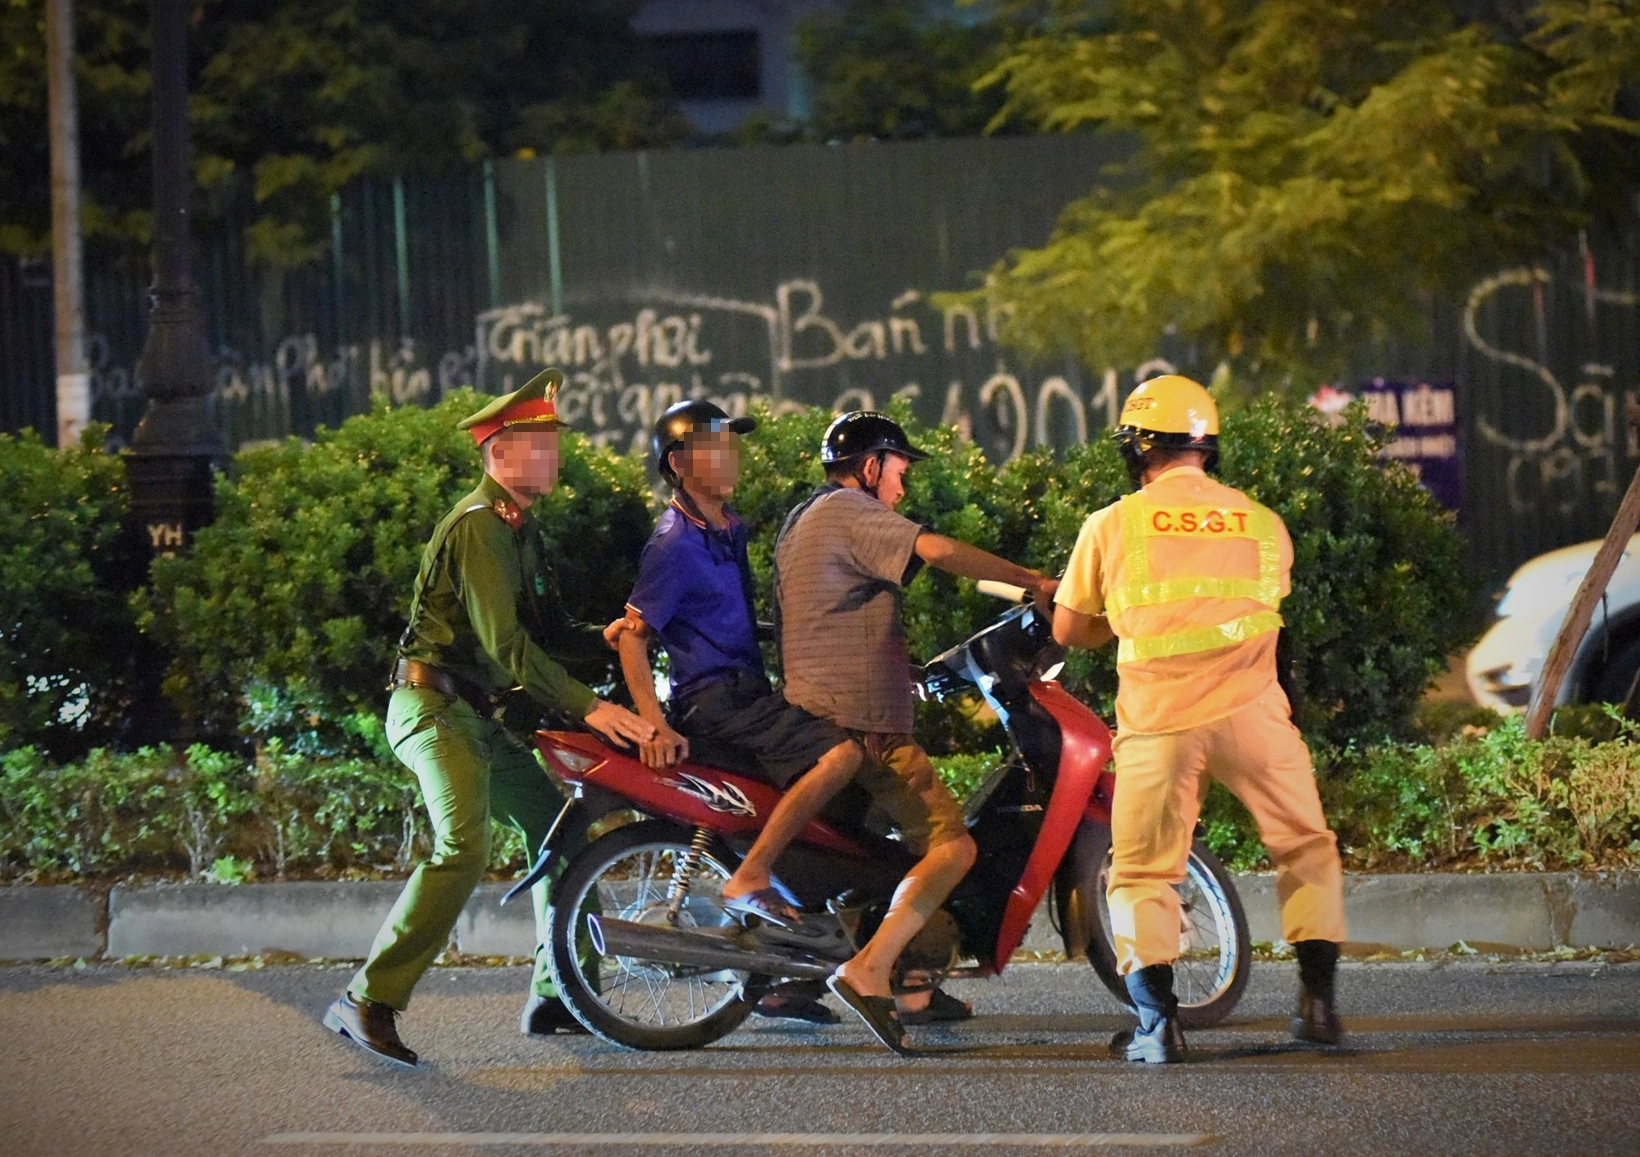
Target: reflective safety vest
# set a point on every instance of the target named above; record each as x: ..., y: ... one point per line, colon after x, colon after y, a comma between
x: 1144, y: 524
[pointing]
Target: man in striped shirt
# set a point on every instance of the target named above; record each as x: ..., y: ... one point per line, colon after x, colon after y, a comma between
x: 842, y: 561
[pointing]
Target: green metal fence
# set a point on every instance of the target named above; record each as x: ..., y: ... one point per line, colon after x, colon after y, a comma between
x: 803, y: 275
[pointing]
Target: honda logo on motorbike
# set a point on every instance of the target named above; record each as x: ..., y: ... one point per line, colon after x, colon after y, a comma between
x: 719, y: 797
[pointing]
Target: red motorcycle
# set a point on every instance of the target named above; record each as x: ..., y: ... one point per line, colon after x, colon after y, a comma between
x: 646, y: 957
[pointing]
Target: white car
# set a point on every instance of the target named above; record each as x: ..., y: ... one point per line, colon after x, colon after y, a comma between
x: 1504, y: 666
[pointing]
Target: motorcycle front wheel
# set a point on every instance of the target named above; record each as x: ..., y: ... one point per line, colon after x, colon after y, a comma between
x: 1215, y: 949
x: 643, y: 1004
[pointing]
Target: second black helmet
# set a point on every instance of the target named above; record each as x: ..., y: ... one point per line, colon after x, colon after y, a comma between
x: 686, y: 418
x: 862, y: 432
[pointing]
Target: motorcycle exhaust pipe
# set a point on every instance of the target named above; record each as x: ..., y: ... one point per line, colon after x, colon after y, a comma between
x: 611, y: 937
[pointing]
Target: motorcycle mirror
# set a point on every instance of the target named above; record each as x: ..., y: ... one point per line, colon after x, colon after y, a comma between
x: 1008, y: 592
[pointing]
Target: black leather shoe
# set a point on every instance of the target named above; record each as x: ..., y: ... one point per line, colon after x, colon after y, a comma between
x: 1316, y: 1021
x: 370, y: 1025
x: 1163, y: 1044
x: 547, y: 1016
x: 1157, y: 1039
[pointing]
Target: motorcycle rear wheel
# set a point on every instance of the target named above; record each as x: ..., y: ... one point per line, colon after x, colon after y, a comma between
x: 1215, y: 947
x: 642, y: 1004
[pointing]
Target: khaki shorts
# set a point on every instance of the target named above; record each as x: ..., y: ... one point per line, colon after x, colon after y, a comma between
x: 903, y: 783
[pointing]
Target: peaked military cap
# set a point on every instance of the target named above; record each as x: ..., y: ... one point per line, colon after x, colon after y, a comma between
x: 531, y: 406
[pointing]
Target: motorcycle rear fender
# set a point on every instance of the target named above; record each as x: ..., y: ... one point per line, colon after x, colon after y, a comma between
x: 567, y: 833
x: 1075, y: 885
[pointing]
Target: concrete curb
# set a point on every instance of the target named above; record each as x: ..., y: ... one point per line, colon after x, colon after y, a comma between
x: 1507, y: 912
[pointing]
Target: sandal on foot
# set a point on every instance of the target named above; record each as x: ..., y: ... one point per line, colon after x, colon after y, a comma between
x: 878, y: 1012
x: 941, y: 1006
x: 767, y: 904
x: 781, y: 1006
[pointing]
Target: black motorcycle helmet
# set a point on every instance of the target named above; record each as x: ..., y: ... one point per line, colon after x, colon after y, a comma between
x: 862, y: 432
x: 860, y: 435
x: 687, y: 418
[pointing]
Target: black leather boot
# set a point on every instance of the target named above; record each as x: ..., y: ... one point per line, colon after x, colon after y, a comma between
x: 1157, y: 1040
x: 1317, y: 1021
x: 371, y: 1025
x: 547, y: 1016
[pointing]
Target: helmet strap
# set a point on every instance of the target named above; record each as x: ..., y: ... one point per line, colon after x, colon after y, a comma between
x: 681, y: 495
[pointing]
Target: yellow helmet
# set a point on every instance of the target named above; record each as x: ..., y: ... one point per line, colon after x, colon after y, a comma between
x: 1167, y: 413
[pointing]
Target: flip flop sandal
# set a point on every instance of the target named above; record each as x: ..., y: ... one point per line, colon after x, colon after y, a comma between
x: 877, y: 1011
x: 777, y: 1006
x: 768, y: 905
x: 942, y: 1006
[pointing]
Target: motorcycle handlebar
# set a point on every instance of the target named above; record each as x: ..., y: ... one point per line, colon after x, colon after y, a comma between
x: 1008, y: 592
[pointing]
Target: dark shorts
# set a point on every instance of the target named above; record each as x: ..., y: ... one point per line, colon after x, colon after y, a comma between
x: 739, y: 722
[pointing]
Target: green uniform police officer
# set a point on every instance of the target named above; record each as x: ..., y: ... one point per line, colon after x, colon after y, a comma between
x: 483, y: 620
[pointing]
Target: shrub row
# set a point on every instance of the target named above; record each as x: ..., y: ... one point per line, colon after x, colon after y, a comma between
x: 206, y: 813
x: 281, y: 620
x: 1487, y: 800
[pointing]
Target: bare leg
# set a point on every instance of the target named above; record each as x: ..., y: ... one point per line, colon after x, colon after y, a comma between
x: 801, y: 803
x: 917, y: 898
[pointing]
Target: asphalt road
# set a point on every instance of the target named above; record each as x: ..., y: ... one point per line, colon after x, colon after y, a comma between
x: 1511, y: 1059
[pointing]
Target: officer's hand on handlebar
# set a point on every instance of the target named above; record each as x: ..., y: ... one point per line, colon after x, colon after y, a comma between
x: 618, y: 722
x: 666, y: 749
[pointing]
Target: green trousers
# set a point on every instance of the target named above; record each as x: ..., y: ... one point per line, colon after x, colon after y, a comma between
x: 470, y: 769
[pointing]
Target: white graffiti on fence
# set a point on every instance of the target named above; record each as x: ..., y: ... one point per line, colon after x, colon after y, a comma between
x: 1582, y: 451
x: 621, y: 374
x: 626, y: 362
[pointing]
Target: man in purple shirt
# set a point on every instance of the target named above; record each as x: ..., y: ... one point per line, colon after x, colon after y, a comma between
x: 694, y: 591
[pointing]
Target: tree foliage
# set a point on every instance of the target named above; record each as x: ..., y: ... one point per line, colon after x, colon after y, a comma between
x: 898, y: 69
x: 300, y: 96
x: 1307, y: 173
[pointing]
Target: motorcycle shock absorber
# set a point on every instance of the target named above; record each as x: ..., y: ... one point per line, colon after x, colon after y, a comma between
x: 684, y: 873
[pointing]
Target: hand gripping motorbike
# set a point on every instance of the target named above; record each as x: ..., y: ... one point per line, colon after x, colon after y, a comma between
x: 646, y: 957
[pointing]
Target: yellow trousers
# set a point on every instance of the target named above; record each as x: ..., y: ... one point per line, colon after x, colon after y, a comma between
x: 1161, y: 781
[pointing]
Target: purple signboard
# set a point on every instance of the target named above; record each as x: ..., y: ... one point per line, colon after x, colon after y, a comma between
x: 1422, y: 419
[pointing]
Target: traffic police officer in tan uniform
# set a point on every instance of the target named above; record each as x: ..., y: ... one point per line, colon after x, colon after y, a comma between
x: 484, y: 619
x: 1187, y: 575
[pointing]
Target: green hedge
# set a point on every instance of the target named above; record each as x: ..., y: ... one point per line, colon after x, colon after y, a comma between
x: 68, y: 641
x: 1381, y: 592
x: 282, y: 619
x: 207, y: 813
x: 1488, y: 799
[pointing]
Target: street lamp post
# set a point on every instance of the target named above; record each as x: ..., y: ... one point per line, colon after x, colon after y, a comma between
x: 177, y: 444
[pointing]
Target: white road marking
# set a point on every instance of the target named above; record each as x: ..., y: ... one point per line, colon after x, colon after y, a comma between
x: 801, y: 1140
